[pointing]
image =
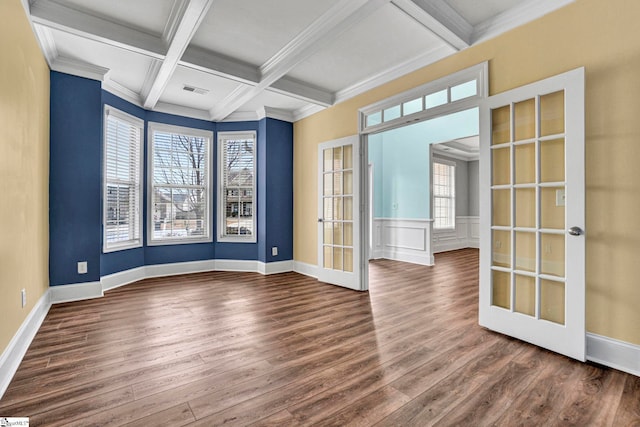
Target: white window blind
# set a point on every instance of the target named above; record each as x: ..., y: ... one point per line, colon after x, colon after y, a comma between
x: 444, y: 197
x: 237, y: 192
x: 122, y: 185
x: 180, y: 185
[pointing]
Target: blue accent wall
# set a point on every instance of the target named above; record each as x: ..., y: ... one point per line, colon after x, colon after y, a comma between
x: 77, y: 107
x: 276, y: 175
x: 75, y: 184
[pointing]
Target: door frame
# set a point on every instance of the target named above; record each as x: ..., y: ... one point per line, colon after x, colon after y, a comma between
x: 479, y: 72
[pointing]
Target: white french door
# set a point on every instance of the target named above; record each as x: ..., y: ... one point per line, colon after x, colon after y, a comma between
x: 339, y: 255
x: 532, y: 243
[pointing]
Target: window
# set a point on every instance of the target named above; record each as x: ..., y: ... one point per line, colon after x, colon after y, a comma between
x: 452, y: 93
x: 122, y: 181
x: 444, y: 195
x: 180, y: 190
x: 237, y: 165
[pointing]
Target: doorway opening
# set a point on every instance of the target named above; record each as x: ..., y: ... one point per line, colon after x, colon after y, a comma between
x: 414, y: 209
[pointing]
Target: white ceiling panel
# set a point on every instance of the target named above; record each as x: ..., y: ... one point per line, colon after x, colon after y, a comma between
x: 475, y: 12
x: 127, y: 68
x: 335, y: 49
x: 149, y: 16
x: 253, y: 31
x: 218, y: 88
x: 383, y: 40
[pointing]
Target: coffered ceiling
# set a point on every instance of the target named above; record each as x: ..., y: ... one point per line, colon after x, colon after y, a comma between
x: 244, y: 59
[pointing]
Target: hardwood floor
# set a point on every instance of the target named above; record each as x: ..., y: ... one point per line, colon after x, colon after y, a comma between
x: 244, y: 349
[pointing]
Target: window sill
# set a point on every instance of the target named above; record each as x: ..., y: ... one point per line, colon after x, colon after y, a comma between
x: 227, y: 239
x: 178, y: 242
x: 123, y: 247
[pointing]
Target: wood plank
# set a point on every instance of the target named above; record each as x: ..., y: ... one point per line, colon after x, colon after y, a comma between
x: 246, y: 349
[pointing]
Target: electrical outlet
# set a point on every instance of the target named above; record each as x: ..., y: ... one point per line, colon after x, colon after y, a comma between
x: 23, y: 294
x: 274, y: 251
x: 560, y: 198
x: 82, y: 267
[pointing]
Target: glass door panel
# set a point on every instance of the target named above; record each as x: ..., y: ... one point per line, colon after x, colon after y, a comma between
x: 525, y: 163
x: 525, y: 120
x: 552, y: 254
x: 501, y: 248
x: 552, y: 208
x: 501, y: 286
x: 501, y: 125
x: 552, y: 160
x: 525, y: 295
x: 552, y: 114
x: 338, y: 208
x: 525, y: 207
x: 552, y: 304
x: 536, y: 207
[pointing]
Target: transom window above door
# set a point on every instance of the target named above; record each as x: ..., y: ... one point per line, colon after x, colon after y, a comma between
x: 452, y: 93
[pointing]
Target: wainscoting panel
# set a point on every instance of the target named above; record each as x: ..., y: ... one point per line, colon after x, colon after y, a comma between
x: 465, y: 235
x: 407, y: 240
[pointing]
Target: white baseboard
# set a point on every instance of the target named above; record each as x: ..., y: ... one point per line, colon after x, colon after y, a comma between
x: 236, y: 265
x: 115, y: 280
x: 277, y: 267
x: 12, y: 356
x: 80, y: 291
x: 616, y: 354
x: 175, y: 268
x: 75, y: 292
x: 310, y: 270
x: 413, y: 258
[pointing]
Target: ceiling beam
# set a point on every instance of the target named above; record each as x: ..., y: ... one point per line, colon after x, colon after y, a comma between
x: 339, y: 18
x: 441, y: 19
x: 52, y: 15
x: 190, y: 20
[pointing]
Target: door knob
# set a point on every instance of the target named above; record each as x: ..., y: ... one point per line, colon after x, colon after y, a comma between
x: 575, y: 231
x: 320, y: 220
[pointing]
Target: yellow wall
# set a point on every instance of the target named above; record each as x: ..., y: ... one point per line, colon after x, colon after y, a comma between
x: 596, y: 34
x: 24, y: 169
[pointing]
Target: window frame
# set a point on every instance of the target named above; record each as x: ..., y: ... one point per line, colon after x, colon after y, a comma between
x: 451, y: 197
x: 152, y: 128
x: 221, y: 214
x: 133, y: 241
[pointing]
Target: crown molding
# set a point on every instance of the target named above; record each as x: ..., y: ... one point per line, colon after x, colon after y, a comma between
x: 79, y: 68
x: 514, y: 17
x: 119, y: 90
x: 303, y: 91
x: 179, y: 110
x: 241, y: 116
x: 275, y: 113
x: 306, y: 111
x: 47, y: 43
x: 393, y: 73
